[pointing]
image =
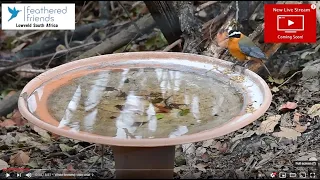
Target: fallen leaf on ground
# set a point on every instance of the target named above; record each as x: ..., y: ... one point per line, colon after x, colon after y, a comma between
x: 65, y: 148
x: 19, y: 47
x: 20, y: 159
x: 25, y: 74
x: 287, y: 133
x: 33, y: 164
x: 275, y: 80
x: 286, y: 120
x: 314, y: 111
x: 288, y: 106
x: 207, y: 143
x: 296, y: 118
x: 18, y: 119
x: 43, y: 133
x: 3, y: 164
x: 243, y: 135
x: 268, y: 125
x: 201, y: 167
x: 300, y: 128
x: 7, y: 123
x: 275, y: 89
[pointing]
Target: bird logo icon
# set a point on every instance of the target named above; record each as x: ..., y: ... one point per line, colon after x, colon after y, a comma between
x: 13, y: 12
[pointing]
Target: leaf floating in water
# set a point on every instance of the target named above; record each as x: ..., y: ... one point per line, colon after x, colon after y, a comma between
x: 157, y: 100
x: 120, y: 107
x: 184, y: 112
x: 111, y: 89
x: 122, y: 94
x: 159, y: 116
x: 126, y: 81
x: 238, y: 79
x: 250, y: 109
x: 161, y: 108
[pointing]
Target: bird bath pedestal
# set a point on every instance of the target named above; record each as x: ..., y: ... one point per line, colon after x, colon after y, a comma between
x: 143, y: 104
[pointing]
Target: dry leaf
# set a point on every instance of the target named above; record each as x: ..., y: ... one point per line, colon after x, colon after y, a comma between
x: 288, y: 106
x: 287, y: 133
x: 3, y: 164
x: 223, y: 147
x: 314, y: 111
x: 201, y: 167
x: 207, y: 143
x: 300, y: 128
x: 275, y: 89
x: 221, y: 39
x: 19, y: 47
x: 60, y: 47
x: 7, y: 123
x: 43, y: 133
x: 296, y: 118
x: 65, y: 148
x: 18, y: 119
x: 24, y: 74
x: 20, y: 159
x: 268, y: 125
x: 243, y: 135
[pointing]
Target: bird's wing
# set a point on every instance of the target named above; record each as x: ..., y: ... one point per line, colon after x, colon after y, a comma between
x: 250, y: 49
x: 10, y: 10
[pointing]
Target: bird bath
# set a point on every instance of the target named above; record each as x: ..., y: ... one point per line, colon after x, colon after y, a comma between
x: 142, y: 104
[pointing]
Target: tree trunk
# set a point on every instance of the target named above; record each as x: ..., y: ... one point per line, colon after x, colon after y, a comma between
x: 166, y: 18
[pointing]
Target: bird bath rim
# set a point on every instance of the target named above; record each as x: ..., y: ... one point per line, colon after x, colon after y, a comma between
x: 232, y: 125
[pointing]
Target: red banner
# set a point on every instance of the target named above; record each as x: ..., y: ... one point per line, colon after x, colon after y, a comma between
x: 290, y: 23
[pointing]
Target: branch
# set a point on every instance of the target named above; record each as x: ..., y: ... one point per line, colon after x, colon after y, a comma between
x: 120, y: 39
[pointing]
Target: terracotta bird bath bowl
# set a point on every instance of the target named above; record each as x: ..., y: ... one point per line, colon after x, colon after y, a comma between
x: 143, y: 104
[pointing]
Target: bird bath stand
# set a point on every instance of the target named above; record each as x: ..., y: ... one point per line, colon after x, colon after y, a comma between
x: 143, y: 104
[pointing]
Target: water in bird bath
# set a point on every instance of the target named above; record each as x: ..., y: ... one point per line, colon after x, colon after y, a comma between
x: 143, y: 103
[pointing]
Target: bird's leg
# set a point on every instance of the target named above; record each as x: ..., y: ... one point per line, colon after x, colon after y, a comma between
x: 244, y: 66
x: 233, y: 66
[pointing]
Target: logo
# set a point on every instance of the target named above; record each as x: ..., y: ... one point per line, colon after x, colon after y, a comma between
x: 290, y: 23
x: 13, y: 12
x: 282, y: 175
x: 302, y: 175
x: 293, y: 175
x: 313, y: 175
x: 273, y: 175
x: 38, y: 16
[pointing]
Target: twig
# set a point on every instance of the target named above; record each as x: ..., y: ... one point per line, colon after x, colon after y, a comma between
x: 31, y: 70
x: 8, y: 104
x: 58, y: 154
x: 26, y: 35
x: 135, y: 37
x: 128, y: 14
x: 289, y: 78
x: 204, y: 5
x: 92, y: 164
x: 237, y: 11
x: 86, y: 148
x: 168, y: 48
x: 102, y: 156
x: 66, y: 39
x: 33, y: 59
x: 120, y: 39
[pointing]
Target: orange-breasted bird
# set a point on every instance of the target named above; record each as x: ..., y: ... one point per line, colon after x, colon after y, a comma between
x: 243, y: 49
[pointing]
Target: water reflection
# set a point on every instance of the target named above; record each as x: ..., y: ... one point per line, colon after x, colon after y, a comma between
x: 142, y: 103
